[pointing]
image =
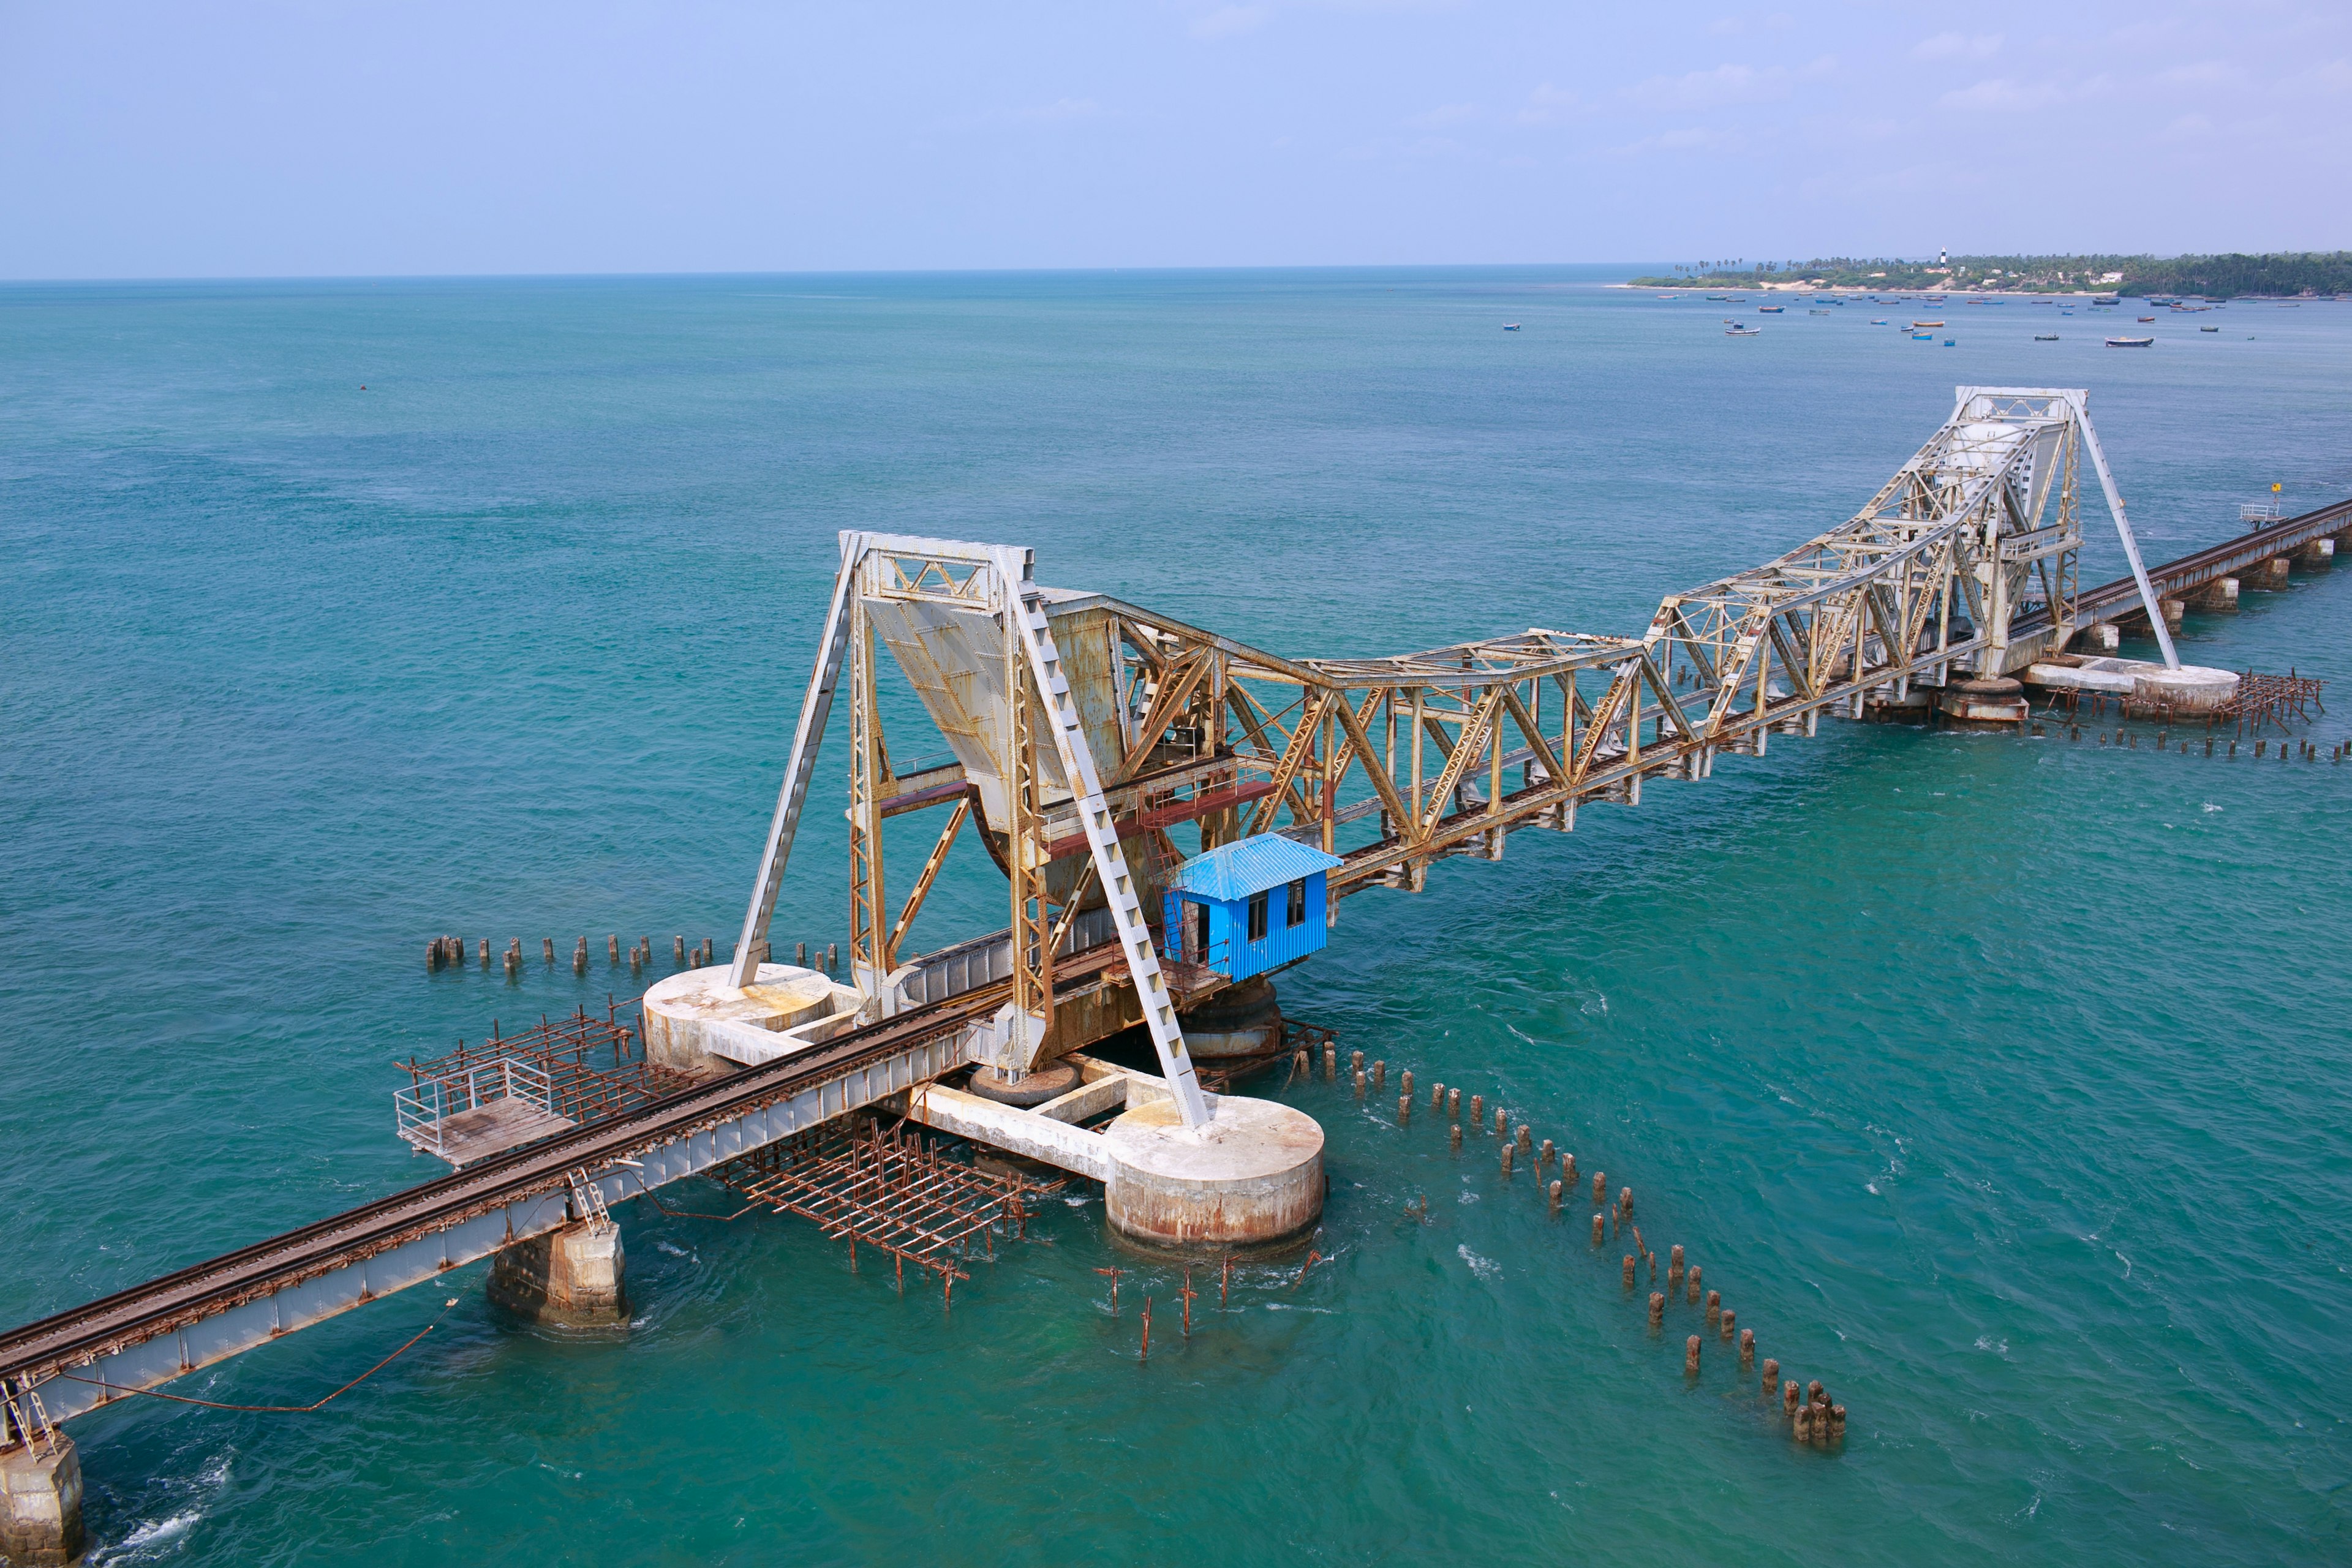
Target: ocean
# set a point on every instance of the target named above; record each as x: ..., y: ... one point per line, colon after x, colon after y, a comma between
x: 2000, y: 1084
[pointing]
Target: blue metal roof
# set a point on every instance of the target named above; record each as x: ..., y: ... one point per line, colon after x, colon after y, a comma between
x: 1252, y: 866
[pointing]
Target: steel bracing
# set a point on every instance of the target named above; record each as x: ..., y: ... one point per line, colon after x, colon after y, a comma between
x: 1393, y: 762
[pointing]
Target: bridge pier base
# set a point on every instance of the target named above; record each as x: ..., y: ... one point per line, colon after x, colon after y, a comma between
x: 40, y: 1507
x: 573, y: 1276
x: 1914, y: 707
x: 1993, y: 703
x: 2317, y: 556
x: 2268, y: 575
x: 2218, y: 597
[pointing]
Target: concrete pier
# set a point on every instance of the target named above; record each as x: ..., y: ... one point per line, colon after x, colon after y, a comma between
x: 698, y: 1024
x: 573, y: 1276
x: 2144, y: 688
x: 2317, y: 556
x: 2271, y: 577
x: 1254, y: 1176
x: 40, y: 1506
x: 1243, y: 1020
x: 1984, y: 703
x: 2218, y: 597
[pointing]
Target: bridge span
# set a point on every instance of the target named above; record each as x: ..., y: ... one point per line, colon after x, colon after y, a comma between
x: 1083, y: 729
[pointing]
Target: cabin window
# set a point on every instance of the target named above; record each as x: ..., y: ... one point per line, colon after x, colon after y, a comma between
x: 1257, y: 917
x: 1297, y: 915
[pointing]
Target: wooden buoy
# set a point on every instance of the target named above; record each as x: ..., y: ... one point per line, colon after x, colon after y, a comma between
x: 1355, y: 1061
x: 1454, y: 1104
x: 1713, y: 1305
x: 1814, y: 1392
x: 1359, y: 1083
x: 1330, y: 1061
x: 1600, y: 1230
x: 1837, y: 1423
x: 1690, y: 1356
x: 1692, y: 1277
x: 547, y: 945
x: 1674, y: 1267
x: 1526, y: 1141
x: 1771, y: 1376
x: 1567, y: 1169
x: 832, y: 956
x: 1802, y: 1423
x: 801, y: 956
x: 1551, y: 1195
x: 1500, y: 1122
x: 613, y: 948
x: 433, y: 955
x: 1625, y: 1202
x: 1628, y: 1271
x: 1545, y: 1155
x: 1657, y: 1309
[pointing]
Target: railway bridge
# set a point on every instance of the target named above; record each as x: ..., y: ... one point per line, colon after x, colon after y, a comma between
x: 1083, y: 735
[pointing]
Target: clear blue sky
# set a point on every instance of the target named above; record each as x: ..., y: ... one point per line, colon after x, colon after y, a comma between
x: 192, y: 138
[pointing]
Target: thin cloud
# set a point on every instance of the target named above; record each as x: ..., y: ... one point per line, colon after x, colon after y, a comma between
x: 1549, y: 105
x: 1443, y: 115
x: 1957, y: 46
x: 2005, y: 95
x: 1726, y: 85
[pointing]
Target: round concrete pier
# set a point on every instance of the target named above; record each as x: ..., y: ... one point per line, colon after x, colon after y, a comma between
x: 679, y: 1009
x: 2191, y: 689
x: 1253, y: 1177
x: 1986, y: 702
x: 1243, y: 1020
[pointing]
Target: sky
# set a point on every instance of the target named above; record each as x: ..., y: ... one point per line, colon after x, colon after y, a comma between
x: 203, y: 139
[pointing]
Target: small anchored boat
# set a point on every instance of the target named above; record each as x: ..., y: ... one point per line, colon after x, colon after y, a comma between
x: 2131, y: 343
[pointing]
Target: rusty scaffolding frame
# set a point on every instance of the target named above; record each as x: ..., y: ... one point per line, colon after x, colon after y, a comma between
x: 567, y: 1051
x: 895, y: 1188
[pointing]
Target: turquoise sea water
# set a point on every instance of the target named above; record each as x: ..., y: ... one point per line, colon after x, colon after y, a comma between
x: 2001, y: 1085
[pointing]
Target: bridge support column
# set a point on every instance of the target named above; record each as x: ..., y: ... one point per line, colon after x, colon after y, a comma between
x: 40, y: 1506
x: 1912, y: 707
x: 571, y: 1276
x: 2098, y: 640
x: 2268, y: 575
x: 1985, y: 702
x: 1243, y: 1020
x: 2218, y: 597
x: 2317, y: 556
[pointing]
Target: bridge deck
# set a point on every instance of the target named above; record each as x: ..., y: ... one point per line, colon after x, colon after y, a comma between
x: 414, y: 1234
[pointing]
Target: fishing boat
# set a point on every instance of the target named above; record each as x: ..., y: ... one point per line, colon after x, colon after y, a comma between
x: 1817, y: 312
x: 2131, y: 343
x: 1923, y: 337
x: 1947, y: 342
x: 1770, y: 310
x: 1926, y: 323
x: 2145, y: 319
x: 1510, y: 326
x: 2209, y: 328
x: 1878, y: 321
x: 1742, y: 330
x: 2045, y: 337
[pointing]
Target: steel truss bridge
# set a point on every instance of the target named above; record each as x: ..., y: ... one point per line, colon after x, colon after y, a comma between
x: 1127, y: 724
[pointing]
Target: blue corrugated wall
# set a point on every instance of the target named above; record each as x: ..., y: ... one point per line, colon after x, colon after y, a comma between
x: 1232, y: 956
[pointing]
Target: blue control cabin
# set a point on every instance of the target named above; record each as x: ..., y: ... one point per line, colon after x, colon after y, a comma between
x: 1245, y: 907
